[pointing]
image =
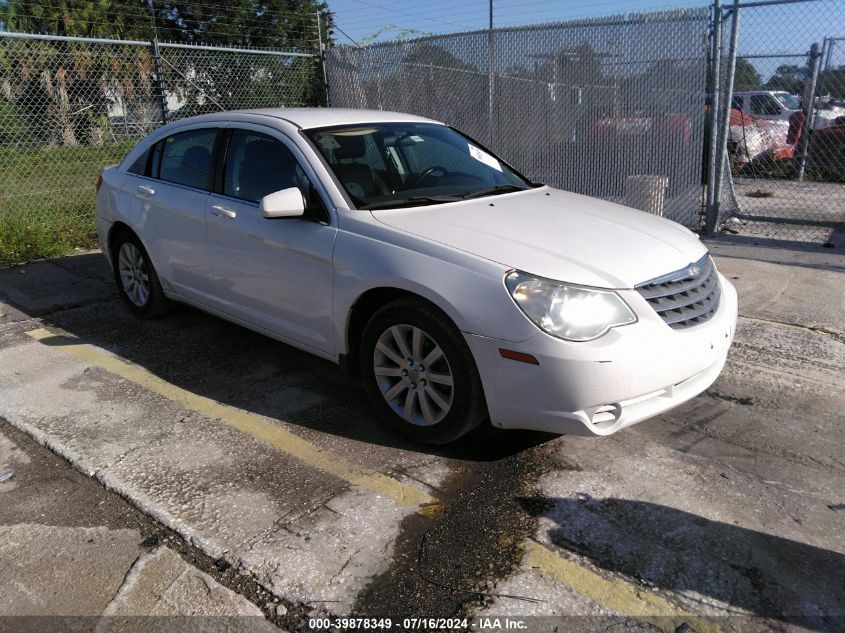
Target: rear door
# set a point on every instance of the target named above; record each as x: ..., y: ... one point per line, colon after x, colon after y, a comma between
x: 171, y: 217
x: 273, y: 273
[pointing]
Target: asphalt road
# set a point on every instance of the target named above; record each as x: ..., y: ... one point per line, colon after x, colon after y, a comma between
x: 266, y: 465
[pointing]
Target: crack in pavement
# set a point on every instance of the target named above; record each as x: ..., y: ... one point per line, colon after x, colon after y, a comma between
x: 816, y: 329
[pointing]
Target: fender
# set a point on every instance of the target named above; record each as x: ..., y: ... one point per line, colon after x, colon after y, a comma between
x: 370, y: 255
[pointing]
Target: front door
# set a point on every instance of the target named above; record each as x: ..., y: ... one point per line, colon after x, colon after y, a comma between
x: 274, y: 273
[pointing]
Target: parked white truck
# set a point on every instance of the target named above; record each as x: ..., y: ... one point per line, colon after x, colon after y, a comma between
x: 778, y: 105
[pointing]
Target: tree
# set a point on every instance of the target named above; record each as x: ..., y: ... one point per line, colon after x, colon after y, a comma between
x: 93, y: 18
x: 789, y: 78
x: 65, y: 91
x: 832, y: 82
x: 746, y: 76
x: 282, y: 24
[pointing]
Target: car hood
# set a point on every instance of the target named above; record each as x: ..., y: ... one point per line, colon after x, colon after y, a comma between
x: 556, y: 234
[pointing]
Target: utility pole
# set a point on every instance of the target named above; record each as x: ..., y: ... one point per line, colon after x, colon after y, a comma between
x: 322, y: 54
x: 491, y: 78
x: 159, y: 81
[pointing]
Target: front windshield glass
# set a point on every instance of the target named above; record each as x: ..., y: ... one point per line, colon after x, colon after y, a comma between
x: 384, y: 165
x: 788, y: 101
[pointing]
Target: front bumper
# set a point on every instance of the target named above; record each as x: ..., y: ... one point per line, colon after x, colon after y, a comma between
x: 598, y: 387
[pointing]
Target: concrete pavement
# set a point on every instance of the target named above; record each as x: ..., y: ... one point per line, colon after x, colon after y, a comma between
x: 270, y: 460
x: 73, y: 555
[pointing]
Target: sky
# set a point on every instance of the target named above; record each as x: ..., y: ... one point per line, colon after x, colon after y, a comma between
x: 783, y: 30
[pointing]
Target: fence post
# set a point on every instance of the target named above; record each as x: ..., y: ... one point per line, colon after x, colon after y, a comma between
x: 808, y: 106
x: 713, y: 128
x: 712, y: 219
x: 322, y: 54
x: 159, y: 80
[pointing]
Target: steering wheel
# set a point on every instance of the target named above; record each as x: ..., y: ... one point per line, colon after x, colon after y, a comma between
x: 429, y: 172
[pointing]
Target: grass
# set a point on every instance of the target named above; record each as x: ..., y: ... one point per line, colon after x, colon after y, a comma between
x: 23, y: 240
x: 47, y: 199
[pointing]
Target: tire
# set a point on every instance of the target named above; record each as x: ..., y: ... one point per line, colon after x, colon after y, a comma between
x: 413, y: 399
x: 136, y: 278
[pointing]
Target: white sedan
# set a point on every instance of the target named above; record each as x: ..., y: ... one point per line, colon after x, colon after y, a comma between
x: 404, y: 251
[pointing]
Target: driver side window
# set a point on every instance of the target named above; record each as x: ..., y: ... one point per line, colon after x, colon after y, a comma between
x: 258, y: 165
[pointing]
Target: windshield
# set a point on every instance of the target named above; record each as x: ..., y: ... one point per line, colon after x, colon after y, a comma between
x: 788, y: 101
x: 384, y: 165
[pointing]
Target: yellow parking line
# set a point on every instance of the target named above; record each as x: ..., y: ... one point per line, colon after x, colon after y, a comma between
x: 255, y: 425
x: 613, y: 593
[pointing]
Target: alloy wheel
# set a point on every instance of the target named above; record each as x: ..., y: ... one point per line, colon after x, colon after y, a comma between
x: 133, y: 274
x: 413, y: 375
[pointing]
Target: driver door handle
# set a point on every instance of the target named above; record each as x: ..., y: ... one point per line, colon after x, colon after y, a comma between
x: 145, y: 191
x: 223, y: 212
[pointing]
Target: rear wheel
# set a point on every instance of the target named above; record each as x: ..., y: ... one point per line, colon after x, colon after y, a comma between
x: 136, y: 279
x: 420, y: 374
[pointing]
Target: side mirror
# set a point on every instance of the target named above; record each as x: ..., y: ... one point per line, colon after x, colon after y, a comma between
x: 287, y: 203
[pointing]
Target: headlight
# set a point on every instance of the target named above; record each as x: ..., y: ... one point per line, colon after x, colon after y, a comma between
x: 569, y: 312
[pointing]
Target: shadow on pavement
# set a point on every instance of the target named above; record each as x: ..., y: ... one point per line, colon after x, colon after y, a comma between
x: 830, y: 256
x: 767, y: 576
x: 225, y: 362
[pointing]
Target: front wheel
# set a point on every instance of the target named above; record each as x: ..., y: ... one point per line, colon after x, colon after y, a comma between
x: 420, y: 374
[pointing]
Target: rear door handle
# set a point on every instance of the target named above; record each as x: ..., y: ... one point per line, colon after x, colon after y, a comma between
x: 223, y: 212
x: 145, y: 191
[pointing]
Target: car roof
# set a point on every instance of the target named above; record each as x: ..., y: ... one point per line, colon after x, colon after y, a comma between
x: 318, y: 117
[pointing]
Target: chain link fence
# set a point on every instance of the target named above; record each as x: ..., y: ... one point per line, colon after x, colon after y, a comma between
x: 70, y: 106
x: 618, y: 108
x: 786, y: 135
x: 611, y: 107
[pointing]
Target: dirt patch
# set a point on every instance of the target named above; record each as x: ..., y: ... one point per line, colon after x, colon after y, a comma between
x: 445, y: 565
x: 746, y: 401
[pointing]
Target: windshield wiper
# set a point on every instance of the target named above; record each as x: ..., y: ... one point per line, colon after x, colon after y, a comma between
x: 492, y: 191
x: 414, y: 201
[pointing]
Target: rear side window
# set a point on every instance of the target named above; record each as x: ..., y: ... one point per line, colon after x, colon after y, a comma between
x: 186, y: 158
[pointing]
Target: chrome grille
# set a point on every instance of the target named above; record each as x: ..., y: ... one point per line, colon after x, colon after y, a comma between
x: 686, y: 297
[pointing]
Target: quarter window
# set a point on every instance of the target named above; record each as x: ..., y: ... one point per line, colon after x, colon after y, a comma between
x: 186, y: 158
x: 139, y: 167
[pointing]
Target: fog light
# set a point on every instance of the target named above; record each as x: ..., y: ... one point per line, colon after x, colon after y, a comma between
x: 606, y: 415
